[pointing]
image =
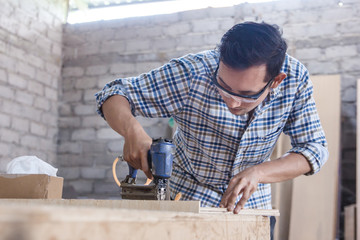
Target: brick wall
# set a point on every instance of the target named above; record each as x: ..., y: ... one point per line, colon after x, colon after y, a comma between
x: 323, y: 35
x: 30, y: 67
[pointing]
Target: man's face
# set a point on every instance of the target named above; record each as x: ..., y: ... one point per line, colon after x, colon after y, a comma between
x: 245, y: 82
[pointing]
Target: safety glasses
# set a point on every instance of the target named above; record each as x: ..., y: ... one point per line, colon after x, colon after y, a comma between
x: 236, y: 96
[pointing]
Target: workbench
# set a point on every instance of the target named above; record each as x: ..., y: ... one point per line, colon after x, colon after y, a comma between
x: 47, y: 219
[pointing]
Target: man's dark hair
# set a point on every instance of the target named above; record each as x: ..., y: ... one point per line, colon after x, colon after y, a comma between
x: 252, y: 44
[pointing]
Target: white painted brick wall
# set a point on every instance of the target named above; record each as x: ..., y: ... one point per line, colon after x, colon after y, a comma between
x: 86, y: 83
x: 89, y: 95
x: 68, y: 147
x: 106, y: 133
x: 25, y: 69
x: 164, y: 44
x: 9, y: 136
x: 96, y: 70
x: 69, y: 173
x: 82, y: 186
x: 205, y: 25
x: 72, y: 96
x: 341, y: 51
x: 20, y: 124
x: 83, y: 134
x: 89, y: 49
x: 69, y: 122
x: 116, y: 146
x: 7, y: 92
x: 93, y: 121
x: 72, y: 72
x: 138, y: 46
x: 35, y: 87
x: 118, y: 68
x: 42, y: 103
x: 3, y: 76
x: 351, y: 64
x: 51, y: 93
x: 177, y: 29
x: 4, y: 120
x: 43, y: 77
x: 30, y: 59
x: 84, y: 110
x: 38, y: 129
x: 17, y: 81
x: 112, y: 47
x: 24, y: 97
x: 343, y: 14
x: 142, y: 67
x: 93, y: 172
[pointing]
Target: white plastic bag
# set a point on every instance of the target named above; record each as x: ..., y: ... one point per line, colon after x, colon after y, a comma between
x: 30, y: 165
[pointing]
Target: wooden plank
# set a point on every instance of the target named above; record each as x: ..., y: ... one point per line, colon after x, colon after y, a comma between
x: 177, y: 206
x: 254, y: 212
x: 350, y: 222
x: 315, y: 199
x: 173, y: 206
x: 33, y: 222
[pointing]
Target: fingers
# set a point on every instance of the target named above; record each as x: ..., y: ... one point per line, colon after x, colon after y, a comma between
x: 230, y: 195
x: 136, y: 153
x: 235, y: 188
x: 230, y: 189
x: 236, y: 191
x: 145, y: 166
x: 131, y: 159
x: 240, y: 205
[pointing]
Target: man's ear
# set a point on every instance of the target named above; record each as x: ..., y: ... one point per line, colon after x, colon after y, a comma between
x: 278, y: 79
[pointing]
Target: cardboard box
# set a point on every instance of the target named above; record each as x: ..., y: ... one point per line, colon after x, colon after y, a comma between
x: 30, y: 186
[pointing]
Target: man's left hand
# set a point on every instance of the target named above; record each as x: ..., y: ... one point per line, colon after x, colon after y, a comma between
x: 244, y: 183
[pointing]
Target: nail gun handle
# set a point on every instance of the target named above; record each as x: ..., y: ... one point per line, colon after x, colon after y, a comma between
x: 132, y: 171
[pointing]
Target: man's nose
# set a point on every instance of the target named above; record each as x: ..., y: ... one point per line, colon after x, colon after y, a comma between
x: 232, y: 103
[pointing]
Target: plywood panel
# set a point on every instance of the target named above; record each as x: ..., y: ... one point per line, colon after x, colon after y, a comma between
x: 315, y: 198
x: 33, y: 222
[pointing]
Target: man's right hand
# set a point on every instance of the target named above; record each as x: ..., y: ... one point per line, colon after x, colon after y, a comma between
x: 136, y: 147
x: 118, y: 114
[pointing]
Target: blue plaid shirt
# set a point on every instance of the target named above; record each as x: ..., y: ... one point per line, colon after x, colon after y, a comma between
x: 212, y: 144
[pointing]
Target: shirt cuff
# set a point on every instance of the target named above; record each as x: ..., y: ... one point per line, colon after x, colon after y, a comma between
x: 315, y: 153
x: 107, y: 92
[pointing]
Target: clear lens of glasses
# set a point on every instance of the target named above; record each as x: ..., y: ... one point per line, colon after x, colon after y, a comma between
x: 237, y: 99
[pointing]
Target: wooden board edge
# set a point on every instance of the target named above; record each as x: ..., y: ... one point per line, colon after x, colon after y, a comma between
x: 152, y: 205
x: 255, y: 212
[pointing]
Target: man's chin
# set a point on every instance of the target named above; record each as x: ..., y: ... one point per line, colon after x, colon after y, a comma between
x: 238, y: 111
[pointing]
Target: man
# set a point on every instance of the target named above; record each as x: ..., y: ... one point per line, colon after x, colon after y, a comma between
x: 230, y: 105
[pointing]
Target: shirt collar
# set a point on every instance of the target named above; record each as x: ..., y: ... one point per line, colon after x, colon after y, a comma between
x: 275, y: 93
